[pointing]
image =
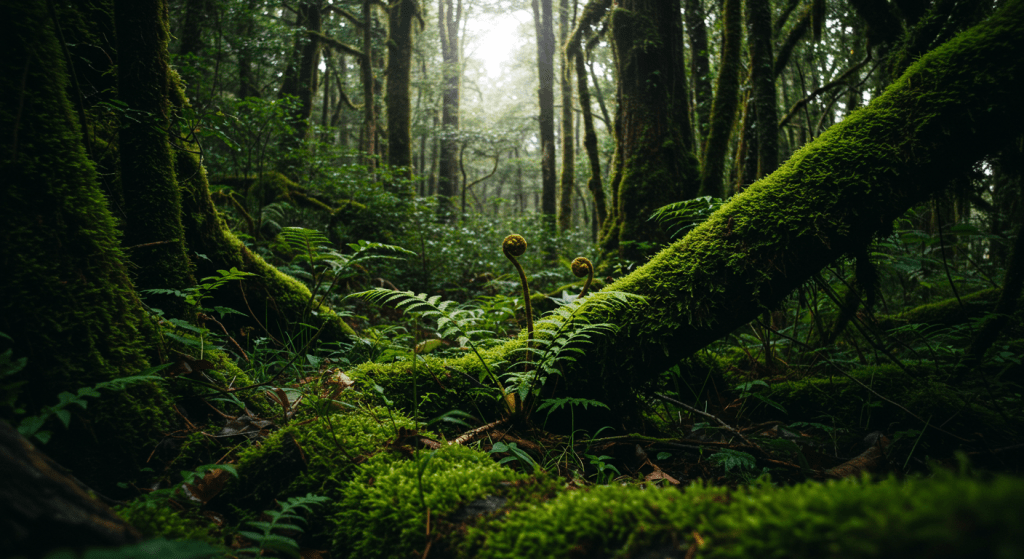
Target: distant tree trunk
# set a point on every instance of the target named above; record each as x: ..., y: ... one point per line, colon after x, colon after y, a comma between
x: 700, y: 68
x: 590, y: 144
x: 568, y: 177
x: 301, y: 79
x: 369, y: 143
x: 573, y: 48
x: 723, y: 111
x: 401, y: 14
x: 246, y: 77
x: 151, y: 199
x: 656, y: 140
x: 762, y: 78
x: 545, y: 31
x: 448, y: 18
x: 191, y: 35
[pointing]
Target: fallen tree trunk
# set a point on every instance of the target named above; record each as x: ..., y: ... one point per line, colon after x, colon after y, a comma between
x: 958, y: 104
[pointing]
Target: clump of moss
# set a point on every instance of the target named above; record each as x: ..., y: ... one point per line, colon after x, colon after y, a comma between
x: 159, y: 520
x: 382, y: 512
x: 316, y: 457
x: 941, y: 516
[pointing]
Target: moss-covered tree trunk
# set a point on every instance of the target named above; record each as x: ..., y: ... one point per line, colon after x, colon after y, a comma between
x: 723, y: 109
x: 655, y: 146
x: 149, y: 190
x: 700, y: 68
x: 401, y: 14
x: 65, y: 296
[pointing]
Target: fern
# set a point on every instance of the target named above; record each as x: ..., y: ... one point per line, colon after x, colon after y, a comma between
x: 451, y: 320
x: 279, y: 520
x: 563, y: 332
x: 680, y: 217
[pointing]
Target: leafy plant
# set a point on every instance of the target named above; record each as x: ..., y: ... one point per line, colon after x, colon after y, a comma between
x: 285, y: 519
x: 680, y: 217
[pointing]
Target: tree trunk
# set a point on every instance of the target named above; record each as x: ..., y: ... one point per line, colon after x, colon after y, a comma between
x: 700, y: 68
x: 369, y: 144
x: 762, y: 78
x: 401, y: 14
x: 590, y: 144
x: 43, y: 508
x: 656, y: 140
x: 65, y: 296
x: 303, y: 73
x: 151, y: 200
x: 568, y: 177
x: 545, y: 31
x: 448, y: 18
x: 723, y: 111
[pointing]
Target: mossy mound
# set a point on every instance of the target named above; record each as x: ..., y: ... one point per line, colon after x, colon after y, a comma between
x: 940, y: 516
x: 314, y: 457
x: 383, y: 512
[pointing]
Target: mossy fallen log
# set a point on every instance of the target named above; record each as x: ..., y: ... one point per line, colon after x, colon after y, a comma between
x: 957, y: 104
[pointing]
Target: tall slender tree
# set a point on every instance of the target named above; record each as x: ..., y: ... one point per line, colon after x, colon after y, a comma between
x: 567, y: 179
x: 545, y: 32
x: 723, y: 109
x: 448, y: 18
x: 401, y: 17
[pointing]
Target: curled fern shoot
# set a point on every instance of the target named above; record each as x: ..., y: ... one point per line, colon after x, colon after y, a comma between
x: 583, y: 267
x: 514, y: 246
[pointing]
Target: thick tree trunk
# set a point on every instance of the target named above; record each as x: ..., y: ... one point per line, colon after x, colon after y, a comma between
x: 545, y: 32
x: 65, y: 296
x: 723, y: 110
x: 656, y: 140
x: 401, y: 14
x: 151, y: 201
x: 957, y: 105
x: 448, y: 17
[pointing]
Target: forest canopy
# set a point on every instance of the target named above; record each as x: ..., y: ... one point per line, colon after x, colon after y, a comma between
x: 396, y: 278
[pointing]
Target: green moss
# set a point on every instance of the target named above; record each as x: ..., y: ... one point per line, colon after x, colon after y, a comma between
x: 383, y: 511
x: 941, y: 516
x: 159, y: 520
x: 315, y: 457
x: 948, y: 311
x: 65, y: 295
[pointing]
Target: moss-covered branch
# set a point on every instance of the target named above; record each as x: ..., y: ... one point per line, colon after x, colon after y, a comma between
x: 953, y: 107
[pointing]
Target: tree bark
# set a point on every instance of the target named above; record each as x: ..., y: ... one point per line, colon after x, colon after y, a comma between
x: 762, y: 78
x: 723, y: 110
x: 448, y: 18
x: 700, y: 68
x: 567, y: 180
x: 655, y: 138
x: 545, y: 32
x: 401, y: 14
x: 151, y: 201
x: 65, y: 296
x: 43, y: 508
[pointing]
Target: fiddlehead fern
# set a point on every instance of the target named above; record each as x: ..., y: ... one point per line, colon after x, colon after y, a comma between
x: 583, y: 267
